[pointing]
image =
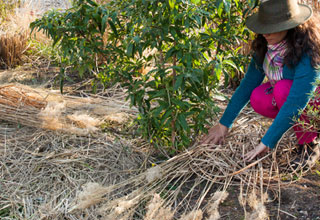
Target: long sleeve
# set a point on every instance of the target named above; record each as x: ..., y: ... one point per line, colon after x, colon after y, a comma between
x: 303, y: 85
x: 240, y: 98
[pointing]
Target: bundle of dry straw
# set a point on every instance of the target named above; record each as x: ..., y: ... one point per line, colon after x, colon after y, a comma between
x: 196, y: 182
x: 49, y: 110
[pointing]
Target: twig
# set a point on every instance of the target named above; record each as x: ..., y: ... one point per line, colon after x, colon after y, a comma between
x: 287, y: 213
x: 250, y: 165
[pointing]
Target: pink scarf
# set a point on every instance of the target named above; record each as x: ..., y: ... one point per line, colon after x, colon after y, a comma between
x: 273, y: 61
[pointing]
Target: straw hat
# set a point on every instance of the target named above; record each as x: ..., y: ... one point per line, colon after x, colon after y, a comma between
x: 278, y: 15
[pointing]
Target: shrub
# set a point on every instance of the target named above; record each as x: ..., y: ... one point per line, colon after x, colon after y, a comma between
x: 185, y: 46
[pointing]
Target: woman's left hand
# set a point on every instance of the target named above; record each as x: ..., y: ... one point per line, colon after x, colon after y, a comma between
x: 260, y: 149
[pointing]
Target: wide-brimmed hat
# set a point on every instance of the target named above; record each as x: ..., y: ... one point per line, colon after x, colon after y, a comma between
x: 278, y: 15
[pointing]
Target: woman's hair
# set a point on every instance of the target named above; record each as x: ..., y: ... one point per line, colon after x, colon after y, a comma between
x: 304, y: 38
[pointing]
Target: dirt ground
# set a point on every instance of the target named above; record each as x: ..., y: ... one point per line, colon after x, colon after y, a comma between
x: 300, y: 200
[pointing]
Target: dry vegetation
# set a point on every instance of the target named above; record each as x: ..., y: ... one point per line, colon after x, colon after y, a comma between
x: 61, y: 175
x: 57, y: 164
x: 53, y: 111
x: 197, y: 181
x: 14, y: 37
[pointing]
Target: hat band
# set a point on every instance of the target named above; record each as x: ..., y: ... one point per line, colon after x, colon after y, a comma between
x: 276, y: 18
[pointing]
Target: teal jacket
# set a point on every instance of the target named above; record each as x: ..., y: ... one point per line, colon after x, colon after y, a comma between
x: 303, y: 76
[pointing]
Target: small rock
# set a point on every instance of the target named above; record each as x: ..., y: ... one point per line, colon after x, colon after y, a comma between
x: 304, y: 213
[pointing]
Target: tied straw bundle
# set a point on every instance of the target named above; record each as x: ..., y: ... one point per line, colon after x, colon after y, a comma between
x: 41, y: 109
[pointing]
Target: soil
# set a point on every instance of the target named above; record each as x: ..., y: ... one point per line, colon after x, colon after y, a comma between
x: 299, y: 200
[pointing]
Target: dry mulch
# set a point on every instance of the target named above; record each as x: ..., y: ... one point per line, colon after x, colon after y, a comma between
x: 60, y: 175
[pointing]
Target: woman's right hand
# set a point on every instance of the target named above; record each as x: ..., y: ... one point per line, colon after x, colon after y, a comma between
x: 215, y: 135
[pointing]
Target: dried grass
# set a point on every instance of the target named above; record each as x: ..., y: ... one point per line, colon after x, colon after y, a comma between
x: 156, y: 211
x: 186, y: 181
x: 12, y: 47
x: 58, y: 175
x: 193, y: 215
x: 153, y: 173
x: 218, y: 197
x: 14, y: 38
x: 52, y: 111
x: 259, y: 210
x: 91, y: 195
x: 44, y: 172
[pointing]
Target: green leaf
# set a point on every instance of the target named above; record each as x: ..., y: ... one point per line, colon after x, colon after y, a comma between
x: 172, y: 3
x: 195, y: 1
x: 113, y: 27
x: 219, y: 6
x: 179, y: 103
x: 166, y: 115
x: 157, y: 94
x: 230, y: 63
x: 198, y: 19
x: 130, y: 50
x: 227, y: 6
x: 136, y: 39
x: 104, y: 23
x: 92, y: 3
x: 183, y: 122
x: 218, y: 70
x: 189, y: 60
x: 178, y: 83
x: 170, y: 52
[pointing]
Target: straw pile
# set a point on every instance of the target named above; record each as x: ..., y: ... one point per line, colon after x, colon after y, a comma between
x: 41, y: 172
x: 45, y: 162
x: 61, y: 175
x: 196, y: 182
x: 41, y: 109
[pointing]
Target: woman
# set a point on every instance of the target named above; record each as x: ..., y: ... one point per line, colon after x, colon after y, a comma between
x: 286, y: 51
